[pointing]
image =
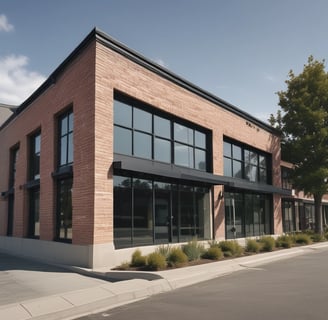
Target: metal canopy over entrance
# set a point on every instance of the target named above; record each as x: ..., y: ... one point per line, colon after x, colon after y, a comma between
x: 149, y: 167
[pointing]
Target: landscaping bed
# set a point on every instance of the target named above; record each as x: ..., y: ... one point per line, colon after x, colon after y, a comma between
x: 167, y: 257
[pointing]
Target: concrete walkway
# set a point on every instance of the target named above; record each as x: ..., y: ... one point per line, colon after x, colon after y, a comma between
x: 33, y: 290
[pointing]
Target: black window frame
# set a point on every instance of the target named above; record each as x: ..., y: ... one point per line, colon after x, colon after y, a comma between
x: 13, y: 158
x: 65, y: 116
x: 134, y: 104
x: 60, y: 219
x: 34, y: 156
x: 127, y: 213
x: 251, y: 163
x: 64, y: 174
x: 14, y: 152
x: 286, y: 182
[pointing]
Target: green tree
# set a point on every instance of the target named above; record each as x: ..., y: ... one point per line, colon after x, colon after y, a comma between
x: 304, y: 126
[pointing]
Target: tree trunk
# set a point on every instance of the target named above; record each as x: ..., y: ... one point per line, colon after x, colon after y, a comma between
x: 318, y: 214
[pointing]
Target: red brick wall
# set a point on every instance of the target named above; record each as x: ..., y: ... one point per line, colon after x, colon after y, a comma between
x: 89, y: 86
x: 116, y: 72
x: 75, y: 86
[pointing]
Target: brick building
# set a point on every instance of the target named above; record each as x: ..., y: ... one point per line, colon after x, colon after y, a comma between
x: 115, y: 152
x: 298, y: 212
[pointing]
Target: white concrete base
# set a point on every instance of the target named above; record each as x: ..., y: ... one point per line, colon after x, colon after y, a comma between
x: 87, y: 256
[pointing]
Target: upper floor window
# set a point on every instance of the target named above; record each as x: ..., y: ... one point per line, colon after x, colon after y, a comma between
x: 189, y: 147
x: 35, y: 145
x: 140, y: 132
x: 241, y: 161
x: 286, y: 182
x: 65, y: 126
x: 13, y: 163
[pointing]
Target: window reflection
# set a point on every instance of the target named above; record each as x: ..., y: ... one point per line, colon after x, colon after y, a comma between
x: 148, y: 212
x: 183, y: 155
x: 183, y: 134
x: 162, y: 127
x: 143, y: 134
x: 162, y: 150
x: 66, y: 146
x: 123, y: 141
x: 34, y: 163
x: 122, y: 114
x: 247, y: 215
x: 251, y: 165
x: 64, y: 210
x: 142, y: 145
x: 142, y: 120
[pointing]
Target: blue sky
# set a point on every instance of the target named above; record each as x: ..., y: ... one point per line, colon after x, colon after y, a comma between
x: 239, y: 50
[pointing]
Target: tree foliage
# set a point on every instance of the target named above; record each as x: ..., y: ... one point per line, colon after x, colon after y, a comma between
x: 304, y: 125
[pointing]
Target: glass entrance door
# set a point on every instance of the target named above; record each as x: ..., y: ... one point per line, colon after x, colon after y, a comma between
x: 163, y: 213
x: 233, y: 215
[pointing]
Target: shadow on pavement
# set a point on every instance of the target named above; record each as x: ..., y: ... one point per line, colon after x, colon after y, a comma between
x: 9, y: 262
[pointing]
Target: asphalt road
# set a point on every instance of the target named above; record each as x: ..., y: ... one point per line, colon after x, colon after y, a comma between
x: 292, y: 289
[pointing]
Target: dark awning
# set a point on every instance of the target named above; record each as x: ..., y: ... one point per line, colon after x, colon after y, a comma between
x: 149, y: 167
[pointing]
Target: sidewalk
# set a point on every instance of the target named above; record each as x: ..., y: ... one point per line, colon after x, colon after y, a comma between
x: 33, y: 290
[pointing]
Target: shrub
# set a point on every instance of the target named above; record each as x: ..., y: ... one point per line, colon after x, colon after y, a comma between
x: 231, y: 248
x: 284, y: 241
x: 176, y: 257
x: 267, y: 243
x: 123, y: 266
x: 302, y: 238
x: 317, y: 237
x: 193, y: 250
x: 138, y: 260
x: 213, y: 243
x: 156, y: 261
x: 213, y: 253
x: 252, y: 246
x: 164, y: 250
x: 326, y: 235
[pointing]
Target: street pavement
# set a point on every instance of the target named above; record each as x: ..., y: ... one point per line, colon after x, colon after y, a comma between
x: 33, y: 290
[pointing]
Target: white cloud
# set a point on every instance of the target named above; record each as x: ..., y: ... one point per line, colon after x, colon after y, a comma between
x: 4, y: 24
x: 16, y: 81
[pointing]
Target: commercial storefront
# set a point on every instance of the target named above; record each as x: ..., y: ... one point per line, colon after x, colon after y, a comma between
x: 298, y: 208
x: 114, y: 152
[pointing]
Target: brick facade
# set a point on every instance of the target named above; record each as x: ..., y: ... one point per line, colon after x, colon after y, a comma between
x: 87, y: 83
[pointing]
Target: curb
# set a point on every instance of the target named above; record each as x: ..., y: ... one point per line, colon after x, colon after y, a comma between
x: 78, y: 303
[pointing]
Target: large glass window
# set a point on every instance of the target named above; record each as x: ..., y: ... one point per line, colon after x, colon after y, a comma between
x: 142, y: 145
x: 11, y: 196
x: 66, y: 139
x: 245, y: 163
x: 288, y: 215
x: 65, y: 179
x: 35, y: 145
x: 142, y: 212
x: 234, y: 217
x: 122, y: 211
x: 34, y: 212
x: 64, y: 209
x: 247, y: 214
x: 286, y: 182
x: 163, y: 214
x: 34, y: 191
x: 144, y: 134
x: 13, y: 164
x: 309, y: 217
x: 150, y: 212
